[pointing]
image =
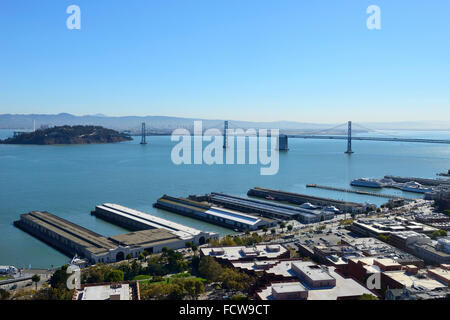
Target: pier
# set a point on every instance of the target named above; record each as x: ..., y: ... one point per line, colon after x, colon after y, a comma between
x: 422, y: 181
x: 297, y: 198
x: 372, y: 194
x: 72, y: 239
x: 215, y: 215
x: 137, y: 220
x: 270, y: 209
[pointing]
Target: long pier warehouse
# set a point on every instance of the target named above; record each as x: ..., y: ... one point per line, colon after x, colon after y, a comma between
x: 73, y: 239
x: 137, y: 220
x: 215, y: 215
x: 271, y: 209
x: 297, y: 198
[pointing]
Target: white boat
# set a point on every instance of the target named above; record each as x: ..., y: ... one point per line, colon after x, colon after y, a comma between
x: 366, y: 182
x: 413, y: 186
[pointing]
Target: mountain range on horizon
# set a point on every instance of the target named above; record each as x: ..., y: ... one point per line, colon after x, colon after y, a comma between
x: 133, y: 123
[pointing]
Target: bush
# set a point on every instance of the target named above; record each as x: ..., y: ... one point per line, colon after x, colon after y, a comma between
x: 59, y: 278
x: 235, y: 280
x: 209, y: 268
x: 4, y: 295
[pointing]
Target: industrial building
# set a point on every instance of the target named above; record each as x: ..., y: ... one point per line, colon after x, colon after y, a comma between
x: 246, y: 254
x: 73, y: 239
x: 271, y: 209
x: 377, y: 227
x: 305, y: 280
x: 434, y: 252
x: 212, y: 214
x: 113, y: 292
x: 137, y: 220
x: 297, y: 198
x: 371, y: 247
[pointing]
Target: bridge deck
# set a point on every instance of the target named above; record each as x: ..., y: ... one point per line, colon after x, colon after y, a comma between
x: 372, y: 139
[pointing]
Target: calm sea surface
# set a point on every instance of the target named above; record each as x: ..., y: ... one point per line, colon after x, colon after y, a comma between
x: 70, y: 181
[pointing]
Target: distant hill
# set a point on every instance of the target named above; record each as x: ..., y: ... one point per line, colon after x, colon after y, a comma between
x: 69, y: 135
x: 162, y: 124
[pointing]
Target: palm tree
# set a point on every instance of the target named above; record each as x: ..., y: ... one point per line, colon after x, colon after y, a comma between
x: 265, y: 229
x: 36, y: 278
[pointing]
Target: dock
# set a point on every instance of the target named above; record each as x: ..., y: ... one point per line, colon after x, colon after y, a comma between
x: 296, y: 198
x: 137, y: 220
x: 366, y: 193
x: 72, y: 239
x: 270, y: 209
x: 215, y: 215
x: 444, y: 174
x: 422, y: 181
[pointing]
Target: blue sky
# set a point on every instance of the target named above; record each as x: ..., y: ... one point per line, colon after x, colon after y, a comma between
x: 261, y: 60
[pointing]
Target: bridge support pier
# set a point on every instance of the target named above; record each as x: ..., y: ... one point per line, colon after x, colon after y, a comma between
x: 143, y: 134
x: 349, y: 139
x: 225, y: 135
x: 283, y: 142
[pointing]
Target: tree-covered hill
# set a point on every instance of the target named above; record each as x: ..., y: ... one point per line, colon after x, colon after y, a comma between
x: 69, y: 135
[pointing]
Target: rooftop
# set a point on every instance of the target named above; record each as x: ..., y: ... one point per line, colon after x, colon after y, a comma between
x: 344, y: 288
x: 105, y: 292
x: 242, y: 252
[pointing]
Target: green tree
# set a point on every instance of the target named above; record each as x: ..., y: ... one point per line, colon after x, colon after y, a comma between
x: 384, y: 238
x: 438, y: 233
x: 273, y: 231
x: 209, y: 268
x: 282, y: 225
x: 265, y: 229
x: 290, y: 227
x: 367, y: 296
x: 235, y: 280
x: 114, y: 276
x: 59, y: 278
x: 129, y: 256
x: 192, y: 287
x: 36, y: 278
x: 4, y: 295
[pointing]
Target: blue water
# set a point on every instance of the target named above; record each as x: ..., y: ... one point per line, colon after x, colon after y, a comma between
x: 70, y: 181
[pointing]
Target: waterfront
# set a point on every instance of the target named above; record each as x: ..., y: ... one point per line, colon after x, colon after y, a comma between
x: 70, y: 181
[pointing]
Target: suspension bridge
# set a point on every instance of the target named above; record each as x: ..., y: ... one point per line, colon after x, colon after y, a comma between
x: 323, y: 134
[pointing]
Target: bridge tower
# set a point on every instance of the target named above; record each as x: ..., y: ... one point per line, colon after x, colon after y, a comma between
x: 225, y: 134
x: 143, y: 134
x: 349, y: 139
x: 283, y: 142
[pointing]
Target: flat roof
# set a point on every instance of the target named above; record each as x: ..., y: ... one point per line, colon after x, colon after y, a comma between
x: 91, y: 241
x: 216, y: 211
x: 284, y: 268
x: 412, y: 280
x: 344, y: 288
x: 441, y: 272
x: 145, y: 238
x: 233, y: 215
x: 104, y: 292
x: 236, y: 252
x: 286, y: 210
x: 288, y: 287
x: 313, y: 271
x: 163, y: 223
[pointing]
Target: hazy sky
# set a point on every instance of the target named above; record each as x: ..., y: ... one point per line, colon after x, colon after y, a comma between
x: 237, y: 59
